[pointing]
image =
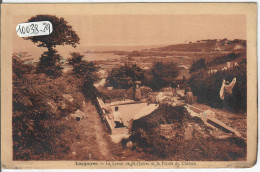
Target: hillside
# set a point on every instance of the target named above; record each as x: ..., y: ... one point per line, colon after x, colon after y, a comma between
x: 206, y: 46
x: 198, y: 49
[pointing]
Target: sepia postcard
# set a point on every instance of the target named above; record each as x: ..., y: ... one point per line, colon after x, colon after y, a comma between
x: 128, y: 85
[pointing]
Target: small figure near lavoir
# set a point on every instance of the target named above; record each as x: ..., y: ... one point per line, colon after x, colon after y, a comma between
x: 137, y: 91
x: 118, y: 118
x: 189, y: 99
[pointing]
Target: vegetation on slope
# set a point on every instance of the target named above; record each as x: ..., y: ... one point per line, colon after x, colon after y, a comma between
x: 206, y: 87
x: 188, y: 138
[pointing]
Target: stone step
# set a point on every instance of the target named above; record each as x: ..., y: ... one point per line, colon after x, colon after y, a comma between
x: 122, y: 130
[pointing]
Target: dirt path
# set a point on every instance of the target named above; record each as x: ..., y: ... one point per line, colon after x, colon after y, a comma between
x: 98, y: 130
x: 91, y: 143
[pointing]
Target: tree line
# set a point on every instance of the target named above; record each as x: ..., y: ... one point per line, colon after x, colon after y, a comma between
x: 159, y: 76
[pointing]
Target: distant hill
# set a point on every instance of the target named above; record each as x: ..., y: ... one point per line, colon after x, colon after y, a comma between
x: 198, y: 49
x: 206, y: 46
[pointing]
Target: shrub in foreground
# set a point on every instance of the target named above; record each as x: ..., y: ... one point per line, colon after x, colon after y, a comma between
x: 178, y: 145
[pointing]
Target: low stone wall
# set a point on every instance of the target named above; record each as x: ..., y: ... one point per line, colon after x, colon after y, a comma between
x: 101, y: 108
x: 110, y: 124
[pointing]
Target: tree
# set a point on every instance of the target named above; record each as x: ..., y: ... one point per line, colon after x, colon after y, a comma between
x: 86, y: 71
x: 62, y: 34
x: 50, y: 63
x: 125, y: 76
x: 163, y: 74
x: 82, y: 68
x: 197, y: 65
x: 75, y: 58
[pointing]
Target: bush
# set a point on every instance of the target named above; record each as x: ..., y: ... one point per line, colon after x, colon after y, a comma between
x: 125, y: 76
x: 161, y: 75
x: 197, y: 65
x: 146, y: 91
x: 86, y: 71
x: 146, y: 133
x: 82, y: 68
x: 116, y: 94
x: 122, y: 94
x: 224, y: 59
x: 38, y: 105
x: 21, y: 64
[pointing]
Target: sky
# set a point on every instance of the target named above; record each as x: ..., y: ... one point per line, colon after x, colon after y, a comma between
x: 137, y: 30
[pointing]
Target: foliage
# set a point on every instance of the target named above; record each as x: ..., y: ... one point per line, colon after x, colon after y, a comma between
x: 75, y: 58
x: 82, y: 68
x: 206, y: 87
x: 39, y: 106
x: 21, y: 64
x: 122, y: 94
x: 171, y: 143
x: 50, y: 63
x: 37, y: 128
x: 21, y: 99
x: 197, y: 65
x: 62, y: 34
x: 201, y: 64
x: 125, y: 76
x: 87, y: 72
x: 224, y: 59
x: 162, y: 75
x: 115, y: 94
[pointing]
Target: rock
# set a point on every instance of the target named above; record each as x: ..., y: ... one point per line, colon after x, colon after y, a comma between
x: 129, y: 145
x: 191, y: 112
x: 76, y: 117
x: 109, y: 88
x: 51, y: 107
x: 79, y: 112
x: 166, y: 89
x: 209, y: 114
x: 180, y: 93
x: 167, y: 131
x: 151, y: 99
x: 68, y: 97
x: 73, y: 153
